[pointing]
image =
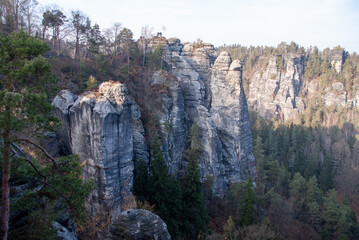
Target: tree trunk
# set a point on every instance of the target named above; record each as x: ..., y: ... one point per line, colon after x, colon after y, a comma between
x: 128, y: 59
x: 5, y: 196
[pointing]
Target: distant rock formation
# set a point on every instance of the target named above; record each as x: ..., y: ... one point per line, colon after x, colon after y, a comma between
x: 275, y: 92
x: 337, y: 59
x: 138, y: 224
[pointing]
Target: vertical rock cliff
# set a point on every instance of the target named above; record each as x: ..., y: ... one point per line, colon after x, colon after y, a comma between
x: 202, y: 87
x: 99, y: 130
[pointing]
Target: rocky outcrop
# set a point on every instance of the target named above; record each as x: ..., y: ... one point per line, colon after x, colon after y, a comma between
x: 199, y: 87
x: 63, y: 102
x: 100, y: 126
x: 63, y: 233
x: 275, y: 91
x: 227, y: 154
x: 337, y: 60
x: 336, y: 96
x: 138, y: 224
x: 230, y: 115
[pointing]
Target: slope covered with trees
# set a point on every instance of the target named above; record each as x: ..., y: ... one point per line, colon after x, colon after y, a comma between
x: 307, y: 169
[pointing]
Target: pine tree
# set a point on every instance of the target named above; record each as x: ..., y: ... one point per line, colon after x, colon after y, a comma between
x: 165, y: 192
x: 313, y: 200
x: 194, y: 213
x: 140, y: 186
x: 247, y: 204
x: 260, y: 162
x: 297, y: 191
x: 23, y: 102
x: 26, y: 79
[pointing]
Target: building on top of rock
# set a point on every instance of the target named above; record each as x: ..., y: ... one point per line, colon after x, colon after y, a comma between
x: 158, y: 40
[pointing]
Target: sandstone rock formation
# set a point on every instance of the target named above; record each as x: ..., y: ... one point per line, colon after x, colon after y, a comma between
x: 213, y: 97
x: 138, y: 224
x: 275, y: 92
x: 201, y: 87
x: 337, y: 59
x: 230, y: 115
x: 99, y: 130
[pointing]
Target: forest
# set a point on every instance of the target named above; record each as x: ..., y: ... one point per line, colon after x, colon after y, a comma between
x: 307, y: 183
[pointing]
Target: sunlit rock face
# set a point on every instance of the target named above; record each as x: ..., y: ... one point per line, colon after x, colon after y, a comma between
x: 275, y: 93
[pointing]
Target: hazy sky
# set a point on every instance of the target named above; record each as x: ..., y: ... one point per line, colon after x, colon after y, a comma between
x: 324, y: 23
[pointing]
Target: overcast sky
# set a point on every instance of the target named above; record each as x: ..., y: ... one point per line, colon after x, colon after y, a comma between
x: 322, y: 23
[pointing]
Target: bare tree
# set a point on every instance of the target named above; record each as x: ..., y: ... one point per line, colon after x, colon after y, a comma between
x: 28, y: 10
x: 146, y: 35
x: 10, y: 15
x: 111, y: 42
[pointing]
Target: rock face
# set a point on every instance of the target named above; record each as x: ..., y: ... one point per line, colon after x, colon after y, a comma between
x: 100, y: 132
x: 213, y: 98
x: 202, y: 87
x: 138, y: 224
x: 337, y: 59
x: 230, y: 115
x: 275, y: 92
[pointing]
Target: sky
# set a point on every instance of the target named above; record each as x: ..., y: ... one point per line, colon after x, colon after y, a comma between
x: 321, y: 23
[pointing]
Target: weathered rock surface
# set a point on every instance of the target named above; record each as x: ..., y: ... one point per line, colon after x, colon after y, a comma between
x: 214, y: 99
x: 336, y: 96
x: 200, y: 86
x: 138, y: 224
x: 337, y: 59
x: 100, y: 126
x: 230, y: 115
x: 275, y: 92
x: 284, y: 93
x: 63, y: 102
x: 63, y: 233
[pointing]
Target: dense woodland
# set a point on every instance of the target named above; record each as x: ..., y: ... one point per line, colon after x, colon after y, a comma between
x: 307, y: 183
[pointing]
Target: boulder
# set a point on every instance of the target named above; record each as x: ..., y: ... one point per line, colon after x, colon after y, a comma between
x: 138, y: 224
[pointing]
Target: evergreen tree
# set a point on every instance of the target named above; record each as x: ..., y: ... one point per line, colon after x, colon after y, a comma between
x: 25, y: 110
x: 247, y: 204
x: 62, y: 192
x: 23, y: 102
x: 313, y: 200
x: 339, y: 219
x: 261, y: 173
x: 194, y: 212
x: 95, y: 39
x: 297, y: 191
x: 165, y: 192
x: 140, y: 186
